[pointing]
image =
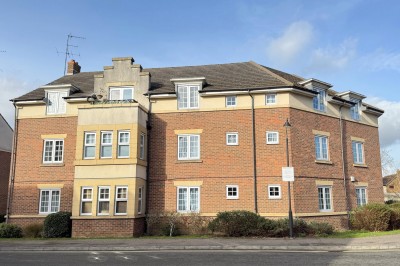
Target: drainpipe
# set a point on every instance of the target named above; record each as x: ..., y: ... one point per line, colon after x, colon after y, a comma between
x: 343, y: 166
x: 148, y: 127
x: 254, y: 152
x: 12, y: 166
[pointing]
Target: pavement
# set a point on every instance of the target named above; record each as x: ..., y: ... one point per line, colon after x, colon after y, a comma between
x: 389, y: 242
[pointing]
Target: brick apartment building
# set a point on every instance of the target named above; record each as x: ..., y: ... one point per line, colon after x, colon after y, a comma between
x: 6, y: 138
x: 114, y: 145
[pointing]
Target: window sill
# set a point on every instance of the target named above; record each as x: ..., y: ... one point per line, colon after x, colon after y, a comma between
x: 189, y: 161
x: 323, y: 162
x: 360, y: 165
x: 275, y: 198
x: 52, y: 164
x: 232, y: 198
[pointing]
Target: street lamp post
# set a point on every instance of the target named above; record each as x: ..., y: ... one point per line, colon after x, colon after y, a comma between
x: 287, y: 125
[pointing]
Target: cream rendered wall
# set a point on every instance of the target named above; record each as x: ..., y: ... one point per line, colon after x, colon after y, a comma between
x: 131, y: 183
x: 39, y: 110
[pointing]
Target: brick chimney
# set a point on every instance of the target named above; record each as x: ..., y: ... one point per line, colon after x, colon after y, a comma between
x: 73, y: 68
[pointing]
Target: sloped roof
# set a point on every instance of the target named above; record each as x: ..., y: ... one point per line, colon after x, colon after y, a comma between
x: 219, y: 77
x: 6, y: 135
x: 388, y: 179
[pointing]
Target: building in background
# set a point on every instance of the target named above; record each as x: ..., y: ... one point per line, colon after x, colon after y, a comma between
x: 391, y: 187
x: 6, y: 139
x: 114, y: 145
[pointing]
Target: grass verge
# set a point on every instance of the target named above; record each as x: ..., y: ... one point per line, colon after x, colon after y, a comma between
x: 358, y: 234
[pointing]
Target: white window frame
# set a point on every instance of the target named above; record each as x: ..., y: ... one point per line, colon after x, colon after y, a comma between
x: 355, y: 109
x: 53, y: 151
x: 358, y: 157
x: 359, y: 199
x: 140, y: 200
x: 232, y: 187
x: 277, y: 137
x: 320, y: 138
x: 142, y: 143
x: 183, y: 92
x: 274, y: 196
x: 236, y: 138
x: 324, y: 199
x: 86, y: 200
x: 89, y: 145
x: 121, y: 94
x: 319, y: 100
x: 187, y: 207
x: 102, y: 144
x: 49, y: 206
x: 103, y: 200
x: 60, y: 105
x: 124, y: 143
x: 230, y: 101
x: 120, y: 200
x: 266, y: 98
x: 188, y: 146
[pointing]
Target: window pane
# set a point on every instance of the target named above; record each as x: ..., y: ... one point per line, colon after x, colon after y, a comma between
x: 55, y: 200
x: 115, y: 95
x: 90, y: 139
x: 127, y: 94
x: 321, y: 198
x: 89, y: 152
x: 194, y: 199
x: 121, y: 207
x: 182, y: 142
x: 194, y: 96
x: 124, y: 137
x: 182, y: 97
x: 324, y: 148
x: 87, y: 193
x: 122, y: 193
x: 182, y: 199
x: 86, y: 207
x: 194, y: 146
x: 104, y: 207
x: 44, y: 205
x: 48, y: 151
x: 58, y: 155
x: 123, y: 151
x: 327, y: 199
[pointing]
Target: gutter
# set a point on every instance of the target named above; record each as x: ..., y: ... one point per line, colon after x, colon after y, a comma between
x: 254, y: 153
x: 148, y: 127
x: 343, y: 166
x: 12, y: 166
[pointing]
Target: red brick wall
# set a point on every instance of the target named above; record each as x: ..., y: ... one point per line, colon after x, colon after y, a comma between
x: 30, y: 171
x: 107, y: 227
x: 222, y: 165
x: 5, y: 159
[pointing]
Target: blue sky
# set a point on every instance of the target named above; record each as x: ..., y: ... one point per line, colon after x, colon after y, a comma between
x: 351, y: 44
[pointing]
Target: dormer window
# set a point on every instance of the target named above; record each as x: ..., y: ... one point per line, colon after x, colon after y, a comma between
x: 188, y: 96
x: 355, y: 109
x: 319, y: 100
x: 121, y: 93
x: 55, y: 102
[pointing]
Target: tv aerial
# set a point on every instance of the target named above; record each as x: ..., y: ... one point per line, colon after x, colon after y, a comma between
x: 68, y: 52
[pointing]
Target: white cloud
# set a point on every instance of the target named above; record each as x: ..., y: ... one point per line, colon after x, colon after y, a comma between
x: 11, y: 88
x: 291, y: 43
x: 333, y: 58
x: 389, y: 122
x: 381, y: 60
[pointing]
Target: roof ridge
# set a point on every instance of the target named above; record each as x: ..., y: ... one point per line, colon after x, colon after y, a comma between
x: 233, y: 63
x: 287, y: 82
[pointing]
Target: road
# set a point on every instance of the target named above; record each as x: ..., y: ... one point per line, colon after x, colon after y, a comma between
x: 193, y: 258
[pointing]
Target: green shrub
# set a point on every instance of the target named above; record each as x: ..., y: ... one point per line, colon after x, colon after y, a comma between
x: 10, y: 231
x: 394, y: 222
x: 33, y: 230
x: 320, y: 229
x: 57, y: 225
x: 371, y: 217
x: 238, y: 223
x: 2, y: 218
x: 300, y: 228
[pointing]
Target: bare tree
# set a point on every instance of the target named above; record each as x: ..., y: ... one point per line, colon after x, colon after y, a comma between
x: 389, y: 165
